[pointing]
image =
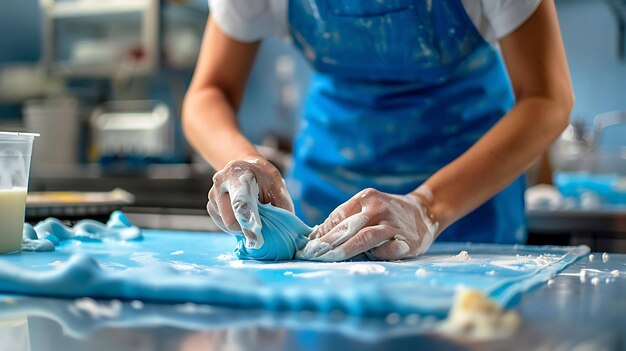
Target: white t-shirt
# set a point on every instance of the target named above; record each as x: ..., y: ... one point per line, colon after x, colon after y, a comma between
x: 252, y: 20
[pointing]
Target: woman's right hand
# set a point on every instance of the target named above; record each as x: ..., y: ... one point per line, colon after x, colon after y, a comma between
x: 233, y: 197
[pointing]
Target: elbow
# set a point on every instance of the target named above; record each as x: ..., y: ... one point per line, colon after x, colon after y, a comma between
x: 565, y: 104
x: 187, y: 114
x: 558, y: 106
x: 556, y: 101
x: 189, y: 106
x: 195, y: 103
x: 185, y: 109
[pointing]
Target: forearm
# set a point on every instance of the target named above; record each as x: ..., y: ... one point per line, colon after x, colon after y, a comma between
x: 210, y: 125
x: 210, y: 108
x: 496, y: 159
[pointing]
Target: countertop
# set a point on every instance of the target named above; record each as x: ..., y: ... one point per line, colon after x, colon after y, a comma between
x: 598, y: 219
x: 601, y: 227
x: 573, y: 310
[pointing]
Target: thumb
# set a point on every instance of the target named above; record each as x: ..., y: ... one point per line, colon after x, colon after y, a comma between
x: 244, y: 195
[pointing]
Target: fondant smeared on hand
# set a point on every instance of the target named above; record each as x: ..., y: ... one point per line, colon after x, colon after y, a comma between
x: 237, y: 189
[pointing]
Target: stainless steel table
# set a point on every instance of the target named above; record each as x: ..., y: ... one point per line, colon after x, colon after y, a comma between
x: 572, y: 311
x: 602, y: 228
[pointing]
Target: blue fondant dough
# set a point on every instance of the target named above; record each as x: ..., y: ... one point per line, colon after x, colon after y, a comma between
x: 283, y: 234
x: 49, y: 233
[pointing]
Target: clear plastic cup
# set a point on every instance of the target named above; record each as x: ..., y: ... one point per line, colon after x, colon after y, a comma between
x: 15, y: 153
x: 14, y: 334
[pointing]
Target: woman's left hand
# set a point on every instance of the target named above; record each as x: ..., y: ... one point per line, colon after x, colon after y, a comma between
x: 383, y: 226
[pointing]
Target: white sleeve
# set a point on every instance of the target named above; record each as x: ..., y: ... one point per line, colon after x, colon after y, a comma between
x: 505, y: 16
x: 249, y: 20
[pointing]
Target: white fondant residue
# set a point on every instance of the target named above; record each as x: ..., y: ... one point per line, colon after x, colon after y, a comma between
x: 97, y: 309
x: 421, y: 272
x: 366, y: 269
x: 543, y: 260
x: 225, y: 257
x: 615, y: 273
x: 136, y: 304
x: 476, y: 317
x: 55, y: 264
x: 462, y: 256
x: 315, y: 274
x: 317, y: 269
x: 190, y: 267
x: 392, y: 319
x: 596, y: 276
x: 144, y: 258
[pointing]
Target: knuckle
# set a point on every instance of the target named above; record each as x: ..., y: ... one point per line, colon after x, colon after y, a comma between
x: 369, y: 194
x: 212, y: 207
x: 230, y: 223
x: 238, y: 166
x: 336, y: 220
x: 367, y: 236
x: 369, y: 191
x: 212, y: 193
x: 233, y: 167
x: 241, y: 207
x: 274, y: 172
x: 374, y: 212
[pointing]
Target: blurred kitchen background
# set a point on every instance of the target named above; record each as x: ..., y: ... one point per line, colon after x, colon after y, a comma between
x: 103, y: 82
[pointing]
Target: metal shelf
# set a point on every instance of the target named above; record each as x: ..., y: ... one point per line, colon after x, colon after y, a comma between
x: 90, y: 10
x: 83, y: 8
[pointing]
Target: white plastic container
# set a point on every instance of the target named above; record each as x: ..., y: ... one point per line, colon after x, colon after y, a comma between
x: 15, y: 154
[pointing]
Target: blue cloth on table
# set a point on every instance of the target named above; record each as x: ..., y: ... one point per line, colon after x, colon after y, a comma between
x: 177, y: 266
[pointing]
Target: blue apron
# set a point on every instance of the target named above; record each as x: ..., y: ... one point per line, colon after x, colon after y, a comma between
x: 401, y: 88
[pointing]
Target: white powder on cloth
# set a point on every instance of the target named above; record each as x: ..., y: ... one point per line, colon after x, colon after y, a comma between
x: 317, y: 269
x: 462, y: 256
x: 95, y: 309
x: 366, y: 269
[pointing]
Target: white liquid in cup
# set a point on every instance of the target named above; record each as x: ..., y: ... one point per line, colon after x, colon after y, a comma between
x: 12, y: 207
x: 14, y: 333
